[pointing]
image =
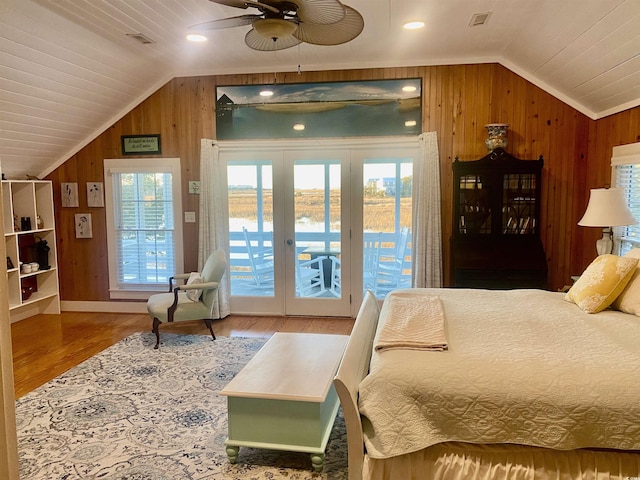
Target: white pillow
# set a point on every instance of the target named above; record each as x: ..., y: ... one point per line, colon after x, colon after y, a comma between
x: 629, y: 300
x: 194, y: 278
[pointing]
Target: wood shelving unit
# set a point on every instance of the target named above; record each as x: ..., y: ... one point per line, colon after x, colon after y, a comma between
x: 37, y: 291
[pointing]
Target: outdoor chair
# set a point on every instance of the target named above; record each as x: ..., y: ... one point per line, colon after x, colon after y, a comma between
x: 390, y: 275
x: 371, y: 260
x: 336, y: 276
x: 261, y: 263
x: 195, y: 300
x: 310, y: 277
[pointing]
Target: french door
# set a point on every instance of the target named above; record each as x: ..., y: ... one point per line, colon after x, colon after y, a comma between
x: 288, y: 210
x: 316, y: 216
x: 297, y: 225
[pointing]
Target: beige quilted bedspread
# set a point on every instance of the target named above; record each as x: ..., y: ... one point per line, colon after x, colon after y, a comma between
x: 522, y: 366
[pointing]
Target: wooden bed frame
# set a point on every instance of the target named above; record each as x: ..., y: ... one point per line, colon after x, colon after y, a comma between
x: 353, y: 368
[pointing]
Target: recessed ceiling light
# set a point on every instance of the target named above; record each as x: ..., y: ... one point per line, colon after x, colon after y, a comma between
x: 298, y: 126
x: 266, y: 93
x: 410, y: 123
x: 409, y: 88
x: 194, y: 37
x: 413, y: 25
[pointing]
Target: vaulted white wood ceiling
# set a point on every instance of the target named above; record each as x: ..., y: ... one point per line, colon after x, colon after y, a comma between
x: 68, y: 68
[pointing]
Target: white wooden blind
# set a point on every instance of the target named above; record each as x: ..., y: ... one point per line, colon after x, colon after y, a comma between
x: 625, y: 163
x: 144, y: 229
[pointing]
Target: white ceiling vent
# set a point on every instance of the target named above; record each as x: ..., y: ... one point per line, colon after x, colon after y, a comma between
x: 479, y: 19
x: 140, y: 37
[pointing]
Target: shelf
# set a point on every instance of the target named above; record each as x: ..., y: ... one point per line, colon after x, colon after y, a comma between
x: 26, y: 203
x: 33, y: 299
x: 39, y: 272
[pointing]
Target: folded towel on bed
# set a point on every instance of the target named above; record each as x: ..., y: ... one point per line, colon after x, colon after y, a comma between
x: 412, y: 323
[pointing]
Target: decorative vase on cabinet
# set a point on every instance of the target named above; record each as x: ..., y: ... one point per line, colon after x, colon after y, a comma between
x: 497, y: 135
x: 30, y: 237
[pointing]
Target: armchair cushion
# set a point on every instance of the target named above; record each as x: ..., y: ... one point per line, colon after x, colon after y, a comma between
x: 159, y: 304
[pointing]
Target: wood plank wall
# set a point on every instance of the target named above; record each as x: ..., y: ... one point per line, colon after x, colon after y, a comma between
x: 457, y: 102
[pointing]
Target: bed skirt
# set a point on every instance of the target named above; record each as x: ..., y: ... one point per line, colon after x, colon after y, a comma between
x: 460, y: 461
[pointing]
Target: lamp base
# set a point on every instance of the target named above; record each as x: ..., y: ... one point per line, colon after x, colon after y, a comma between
x: 605, y: 244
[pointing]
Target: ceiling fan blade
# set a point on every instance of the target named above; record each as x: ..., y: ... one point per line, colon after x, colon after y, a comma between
x: 226, y: 23
x: 259, y: 42
x: 246, y: 4
x: 333, y: 34
x: 320, y: 11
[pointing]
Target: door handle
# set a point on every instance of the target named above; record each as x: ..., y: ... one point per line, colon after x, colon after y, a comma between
x: 289, y: 242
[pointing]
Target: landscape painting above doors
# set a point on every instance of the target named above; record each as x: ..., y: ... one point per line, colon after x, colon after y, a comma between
x: 315, y: 110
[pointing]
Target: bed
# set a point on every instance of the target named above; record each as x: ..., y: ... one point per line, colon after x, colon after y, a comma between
x: 526, y: 386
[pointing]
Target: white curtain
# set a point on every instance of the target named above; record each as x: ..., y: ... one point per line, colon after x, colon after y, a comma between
x: 427, y: 225
x: 213, y: 207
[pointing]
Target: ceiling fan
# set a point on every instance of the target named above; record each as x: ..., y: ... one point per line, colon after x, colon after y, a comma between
x: 285, y: 23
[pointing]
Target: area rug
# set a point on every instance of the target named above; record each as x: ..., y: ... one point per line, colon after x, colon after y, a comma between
x: 132, y: 412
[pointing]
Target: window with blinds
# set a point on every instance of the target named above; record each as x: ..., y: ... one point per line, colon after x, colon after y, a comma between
x: 626, y: 173
x: 144, y: 225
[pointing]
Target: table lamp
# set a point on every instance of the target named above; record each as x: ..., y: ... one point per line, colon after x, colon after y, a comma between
x: 607, y: 208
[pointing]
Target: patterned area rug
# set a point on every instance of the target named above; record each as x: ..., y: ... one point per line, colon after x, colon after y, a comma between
x: 132, y: 412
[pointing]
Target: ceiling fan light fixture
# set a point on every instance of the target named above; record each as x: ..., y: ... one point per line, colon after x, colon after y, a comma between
x: 274, y: 28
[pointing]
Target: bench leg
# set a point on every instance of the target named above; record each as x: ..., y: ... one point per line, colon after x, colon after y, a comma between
x: 317, y: 461
x: 232, y: 453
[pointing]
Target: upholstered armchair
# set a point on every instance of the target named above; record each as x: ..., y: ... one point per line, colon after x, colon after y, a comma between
x: 195, y: 300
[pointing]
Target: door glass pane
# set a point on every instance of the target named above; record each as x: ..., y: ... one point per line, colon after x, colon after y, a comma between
x: 317, y: 228
x: 387, y: 206
x: 251, y: 262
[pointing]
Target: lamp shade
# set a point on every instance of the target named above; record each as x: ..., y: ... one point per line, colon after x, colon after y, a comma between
x: 607, y: 208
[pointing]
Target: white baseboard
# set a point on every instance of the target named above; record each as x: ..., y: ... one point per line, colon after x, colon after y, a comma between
x: 107, y: 307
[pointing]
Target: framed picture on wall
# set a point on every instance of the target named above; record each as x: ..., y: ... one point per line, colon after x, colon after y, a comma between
x: 141, y: 144
x: 95, y: 194
x: 69, y: 194
x: 83, y: 225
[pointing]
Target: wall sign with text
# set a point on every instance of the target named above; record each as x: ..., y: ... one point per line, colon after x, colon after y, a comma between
x: 141, y: 145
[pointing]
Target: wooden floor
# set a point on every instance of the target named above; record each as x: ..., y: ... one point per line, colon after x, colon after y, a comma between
x: 44, y: 346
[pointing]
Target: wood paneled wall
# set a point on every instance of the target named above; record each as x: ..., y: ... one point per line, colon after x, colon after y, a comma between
x: 457, y: 102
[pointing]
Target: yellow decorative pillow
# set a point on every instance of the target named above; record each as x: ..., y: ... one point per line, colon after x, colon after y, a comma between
x: 629, y: 300
x: 602, y: 282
